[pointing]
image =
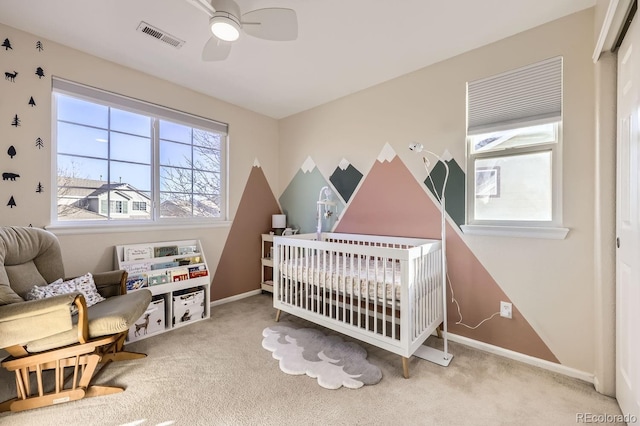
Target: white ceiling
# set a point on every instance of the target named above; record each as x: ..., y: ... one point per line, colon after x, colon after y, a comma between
x: 343, y: 46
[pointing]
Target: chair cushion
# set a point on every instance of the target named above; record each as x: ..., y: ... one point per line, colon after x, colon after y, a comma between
x: 28, y: 257
x: 8, y: 296
x: 115, y: 315
x: 26, y: 321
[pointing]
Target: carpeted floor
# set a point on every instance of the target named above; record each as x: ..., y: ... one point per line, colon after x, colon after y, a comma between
x: 215, y: 372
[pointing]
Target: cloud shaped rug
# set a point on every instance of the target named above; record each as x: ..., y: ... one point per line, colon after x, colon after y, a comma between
x: 334, y: 362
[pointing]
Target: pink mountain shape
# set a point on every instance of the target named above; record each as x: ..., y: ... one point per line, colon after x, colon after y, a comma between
x: 239, y: 267
x: 391, y: 201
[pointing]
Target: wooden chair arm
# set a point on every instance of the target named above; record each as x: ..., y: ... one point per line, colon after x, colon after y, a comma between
x: 83, y: 319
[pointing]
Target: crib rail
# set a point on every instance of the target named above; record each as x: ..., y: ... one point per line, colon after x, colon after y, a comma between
x: 386, y: 291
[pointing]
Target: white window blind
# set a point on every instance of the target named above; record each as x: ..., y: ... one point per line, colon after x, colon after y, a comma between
x: 75, y: 89
x: 518, y: 98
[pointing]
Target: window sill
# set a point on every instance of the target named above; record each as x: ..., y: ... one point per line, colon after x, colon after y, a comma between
x: 549, y: 233
x: 69, y: 229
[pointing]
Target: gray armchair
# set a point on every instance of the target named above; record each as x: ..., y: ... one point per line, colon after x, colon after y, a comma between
x: 44, y: 335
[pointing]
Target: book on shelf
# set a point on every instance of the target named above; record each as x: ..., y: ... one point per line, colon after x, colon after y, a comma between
x: 164, y: 251
x: 187, y: 249
x: 184, y: 261
x: 136, y: 282
x: 164, y: 265
x: 198, y: 271
x: 137, y: 253
x: 179, y: 274
x: 137, y: 268
x: 156, y: 278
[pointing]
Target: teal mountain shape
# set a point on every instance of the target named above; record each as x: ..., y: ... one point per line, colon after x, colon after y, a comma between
x: 299, y: 202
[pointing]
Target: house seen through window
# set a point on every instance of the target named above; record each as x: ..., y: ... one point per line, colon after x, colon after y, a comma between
x: 121, y: 160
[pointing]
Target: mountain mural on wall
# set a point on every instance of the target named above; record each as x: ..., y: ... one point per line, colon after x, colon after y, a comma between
x: 239, y: 268
x: 299, y: 200
x: 455, y: 190
x: 390, y: 201
x: 345, y: 179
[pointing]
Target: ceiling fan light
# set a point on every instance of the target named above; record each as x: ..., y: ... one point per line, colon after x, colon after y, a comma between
x: 225, y: 26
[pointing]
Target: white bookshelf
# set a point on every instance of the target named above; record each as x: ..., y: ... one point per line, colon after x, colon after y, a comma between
x: 146, y: 270
x: 266, y: 282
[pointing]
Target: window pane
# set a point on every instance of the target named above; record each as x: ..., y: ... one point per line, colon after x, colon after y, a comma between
x: 206, y: 159
x: 126, y: 204
x: 175, y: 205
x: 82, y: 168
x: 128, y: 122
x: 206, y: 183
x: 526, y: 136
x: 135, y: 176
x: 175, y: 132
x: 206, y: 206
x: 173, y: 179
x: 130, y: 148
x: 82, y: 140
x: 206, y: 139
x: 175, y: 154
x: 77, y: 198
x: 82, y: 112
x: 514, y: 188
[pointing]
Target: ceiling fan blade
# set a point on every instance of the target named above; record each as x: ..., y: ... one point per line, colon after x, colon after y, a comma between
x: 271, y: 23
x: 203, y: 5
x: 216, y: 50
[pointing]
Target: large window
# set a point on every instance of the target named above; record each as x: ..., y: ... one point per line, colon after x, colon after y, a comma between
x: 514, y: 148
x: 120, y: 160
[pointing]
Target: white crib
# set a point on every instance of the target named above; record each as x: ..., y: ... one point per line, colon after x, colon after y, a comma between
x: 386, y: 291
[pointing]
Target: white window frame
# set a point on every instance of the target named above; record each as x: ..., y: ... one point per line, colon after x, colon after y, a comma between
x: 489, y: 114
x: 114, y: 100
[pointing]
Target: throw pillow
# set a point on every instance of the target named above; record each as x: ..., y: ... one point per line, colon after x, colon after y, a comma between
x: 83, y: 284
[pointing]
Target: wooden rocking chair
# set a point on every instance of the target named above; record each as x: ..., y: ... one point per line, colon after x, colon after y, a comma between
x: 58, y: 351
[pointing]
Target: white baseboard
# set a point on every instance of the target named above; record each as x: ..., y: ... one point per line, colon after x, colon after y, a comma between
x: 537, y: 362
x: 236, y: 297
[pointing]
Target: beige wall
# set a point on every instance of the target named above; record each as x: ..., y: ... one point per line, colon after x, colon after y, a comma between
x: 551, y: 282
x: 251, y: 136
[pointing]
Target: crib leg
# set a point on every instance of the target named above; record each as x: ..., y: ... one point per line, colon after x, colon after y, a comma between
x: 405, y: 367
x: 278, y: 312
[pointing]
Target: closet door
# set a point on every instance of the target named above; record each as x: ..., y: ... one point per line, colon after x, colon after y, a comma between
x: 627, y: 224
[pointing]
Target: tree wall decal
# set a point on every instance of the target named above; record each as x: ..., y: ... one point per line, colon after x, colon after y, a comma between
x: 39, y: 46
x: 39, y: 72
x: 7, y: 44
x: 32, y: 102
x: 11, y: 202
x: 12, y: 151
x: 39, y: 143
x: 16, y: 121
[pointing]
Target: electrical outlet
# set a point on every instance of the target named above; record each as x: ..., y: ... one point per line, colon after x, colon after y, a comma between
x: 505, y: 309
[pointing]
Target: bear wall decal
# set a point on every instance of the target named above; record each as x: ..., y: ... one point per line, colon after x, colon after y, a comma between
x: 10, y: 176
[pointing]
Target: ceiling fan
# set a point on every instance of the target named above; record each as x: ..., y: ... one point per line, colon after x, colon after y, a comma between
x: 227, y: 23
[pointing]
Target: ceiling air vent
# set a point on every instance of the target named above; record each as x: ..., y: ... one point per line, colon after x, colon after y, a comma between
x: 157, y: 33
